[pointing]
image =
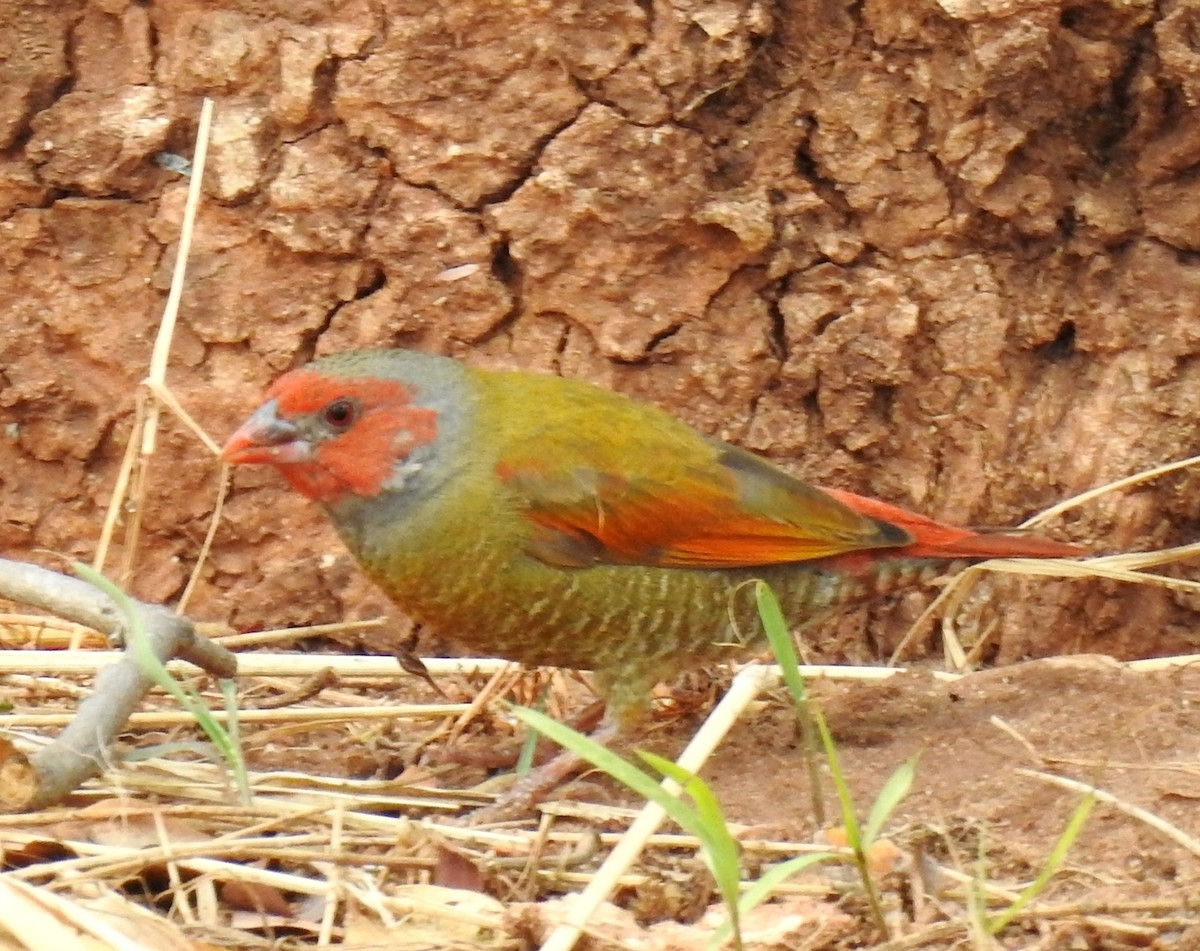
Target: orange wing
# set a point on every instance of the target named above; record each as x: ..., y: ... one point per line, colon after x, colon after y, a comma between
x: 600, y: 479
x: 696, y: 503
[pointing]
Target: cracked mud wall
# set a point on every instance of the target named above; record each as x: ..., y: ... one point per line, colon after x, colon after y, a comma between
x: 939, y: 252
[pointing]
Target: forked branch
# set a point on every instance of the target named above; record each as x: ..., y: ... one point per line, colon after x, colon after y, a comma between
x: 81, y: 750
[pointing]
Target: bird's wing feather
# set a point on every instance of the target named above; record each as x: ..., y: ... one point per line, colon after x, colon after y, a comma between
x: 938, y: 540
x: 692, y: 503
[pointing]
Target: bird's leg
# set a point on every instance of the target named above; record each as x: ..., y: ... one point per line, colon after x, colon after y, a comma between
x: 588, y: 720
x: 506, y: 756
x: 627, y: 694
x: 536, y: 785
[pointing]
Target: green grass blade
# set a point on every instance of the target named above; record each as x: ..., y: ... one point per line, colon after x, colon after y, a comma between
x: 785, y: 654
x: 718, y: 846
x: 1054, y: 862
x: 612, y: 765
x: 156, y: 672
x: 780, y: 639
x: 529, y: 746
x: 708, y: 810
x: 776, y: 875
x: 760, y: 890
x: 721, y: 850
x: 840, y: 786
x: 230, y: 746
x: 890, y: 796
x: 135, y: 632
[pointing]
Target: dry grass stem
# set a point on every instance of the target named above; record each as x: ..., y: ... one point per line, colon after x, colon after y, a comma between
x: 1121, y: 567
x: 129, y: 492
x: 157, y: 378
x: 498, y: 683
x: 1172, y: 832
x: 364, y: 667
x: 164, y: 396
x: 120, y: 492
x: 347, y: 667
x: 1010, y: 730
x: 310, y: 716
x: 206, y: 546
x: 277, y: 635
x: 1138, y: 478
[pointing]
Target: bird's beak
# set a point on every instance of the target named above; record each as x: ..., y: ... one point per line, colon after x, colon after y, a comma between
x: 265, y: 438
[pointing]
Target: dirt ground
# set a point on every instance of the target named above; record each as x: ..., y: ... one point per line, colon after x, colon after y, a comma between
x: 1131, y: 734
x: 942, y: 253
x: 979, y: 823
x: 983, y: 808
x: 986, y: 808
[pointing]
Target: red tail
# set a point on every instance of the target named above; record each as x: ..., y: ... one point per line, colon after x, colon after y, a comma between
x: 937, y: 540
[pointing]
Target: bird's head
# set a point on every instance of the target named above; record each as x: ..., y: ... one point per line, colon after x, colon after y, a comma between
x: 355, y: 425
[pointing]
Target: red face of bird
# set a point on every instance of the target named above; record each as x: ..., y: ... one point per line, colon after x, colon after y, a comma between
x: 332, y: 436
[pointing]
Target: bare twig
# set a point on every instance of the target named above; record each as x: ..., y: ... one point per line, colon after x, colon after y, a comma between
x: 79, y: 751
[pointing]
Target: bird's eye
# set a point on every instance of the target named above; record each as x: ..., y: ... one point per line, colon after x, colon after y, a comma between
x: 340, y: 414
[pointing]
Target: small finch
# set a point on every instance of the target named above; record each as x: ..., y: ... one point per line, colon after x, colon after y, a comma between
x: 553, y: 522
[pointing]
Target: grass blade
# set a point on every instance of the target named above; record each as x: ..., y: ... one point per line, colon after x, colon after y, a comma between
x: 612, y: 765
x: 155, y: 671
x: 760, y: 890
x: 780, y: 639
x: 1054, y: 862
x: 890, y: 796
x: 721, y: 850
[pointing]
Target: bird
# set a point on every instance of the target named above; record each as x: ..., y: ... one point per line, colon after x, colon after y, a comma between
x: 553, y: 522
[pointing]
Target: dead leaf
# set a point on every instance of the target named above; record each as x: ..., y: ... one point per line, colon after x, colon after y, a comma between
x: 255, y: 896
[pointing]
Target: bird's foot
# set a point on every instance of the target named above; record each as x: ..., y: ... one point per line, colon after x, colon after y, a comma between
x: 519, y: 801
x: 506, y: 755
